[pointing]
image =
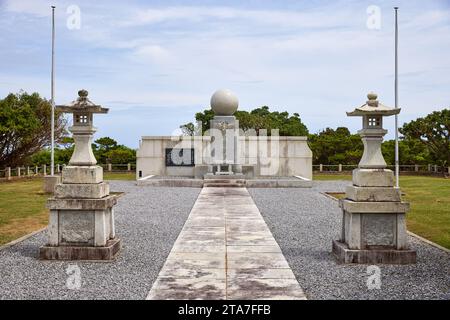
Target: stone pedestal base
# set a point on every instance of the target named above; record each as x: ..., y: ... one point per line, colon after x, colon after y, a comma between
x: 372, y: 256
x: 373, y: 221
x: 223, y: 177
x: 108, y: 252
x: 75, y: 174
x: 50, y: 183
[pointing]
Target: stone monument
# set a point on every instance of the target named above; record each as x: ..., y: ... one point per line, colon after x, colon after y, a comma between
x: 224, y: 125
x: 50, y: 183
x: 373, y: 215
x: 81, y: 223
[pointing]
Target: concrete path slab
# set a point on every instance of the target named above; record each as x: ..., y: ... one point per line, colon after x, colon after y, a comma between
x: 225, y: 251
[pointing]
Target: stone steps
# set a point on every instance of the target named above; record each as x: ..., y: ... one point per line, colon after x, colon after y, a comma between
x: 224, y: 183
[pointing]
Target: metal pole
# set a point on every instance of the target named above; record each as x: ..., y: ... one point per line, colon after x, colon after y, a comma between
x: 397, y: 180
x: 52, y: 158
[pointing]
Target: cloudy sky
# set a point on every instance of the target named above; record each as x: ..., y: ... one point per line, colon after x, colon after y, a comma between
x: 156, y: 63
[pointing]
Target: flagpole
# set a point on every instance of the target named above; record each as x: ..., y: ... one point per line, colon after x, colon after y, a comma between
x: 52, y: 157
x: 397, y: 169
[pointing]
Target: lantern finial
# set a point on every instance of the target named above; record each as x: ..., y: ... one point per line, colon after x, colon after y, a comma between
x: 373, y: 102
x: 83, y: 94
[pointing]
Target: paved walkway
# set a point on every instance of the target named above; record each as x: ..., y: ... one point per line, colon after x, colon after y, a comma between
x: 225, y: 251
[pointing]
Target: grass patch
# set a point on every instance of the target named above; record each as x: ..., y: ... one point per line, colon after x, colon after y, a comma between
x: 22, y: 208
x: 119, y: 175
x: 430, y: 205
x: 329, y: 177
x: 336, y: 195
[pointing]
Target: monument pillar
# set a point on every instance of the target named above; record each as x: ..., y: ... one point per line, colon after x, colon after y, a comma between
x: 81, y: 224
x: 225, y: 127
x: 373, y: 215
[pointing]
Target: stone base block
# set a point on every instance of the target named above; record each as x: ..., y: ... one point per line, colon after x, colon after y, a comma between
x: 373, y: 178
x: 82, y: 190
x: 373, y: 207
x: 76, y: 174
x: 373, y: 256
x: 82, y: 204
x: 108, y: 252
x: 233, y: 176
x: 373, y: 194
x: 217, y: 122
x: 50, y: 183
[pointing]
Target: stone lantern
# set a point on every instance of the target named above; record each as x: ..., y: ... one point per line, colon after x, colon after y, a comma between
x: 81, y: 223
x: 373, y: 215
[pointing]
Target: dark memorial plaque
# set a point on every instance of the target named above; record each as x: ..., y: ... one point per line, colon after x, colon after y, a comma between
x: 178, y: 157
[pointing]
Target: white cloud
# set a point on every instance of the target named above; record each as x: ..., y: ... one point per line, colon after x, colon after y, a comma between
x: 306, y: 19
x: 40, y: 8
x: 153, y: 53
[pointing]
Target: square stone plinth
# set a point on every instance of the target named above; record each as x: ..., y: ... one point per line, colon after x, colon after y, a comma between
x: 108, y: 252
x: 373, y: 194
x: 50, y: 183
x: 82, y: 204
x: 82, y: 190
x: 372, y: 256
x: 78, y: 174
x: 373, y: 178
x: 373, y: 207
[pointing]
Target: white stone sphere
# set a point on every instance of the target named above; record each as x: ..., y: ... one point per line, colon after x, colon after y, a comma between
x: 224, y: 102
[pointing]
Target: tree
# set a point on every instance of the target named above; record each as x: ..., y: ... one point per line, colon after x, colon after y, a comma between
x: 25, y: 127
x: 257, y: 119
x: 107, y: 150
x: 121, y: 155
x: 40, y: 158
x: 63, y: 153
x: 106, y: 143
x: 204, y: 117
x: 332, y: 147
x: 434, y: 132
x: 188, y: 129
x: 102, y: 146
x: 411, y: 152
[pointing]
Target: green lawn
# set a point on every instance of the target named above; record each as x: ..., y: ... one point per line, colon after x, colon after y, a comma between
x: 328, y: 177
x: 119, y: 175
x: 22, y: 208
x: 430, y: 205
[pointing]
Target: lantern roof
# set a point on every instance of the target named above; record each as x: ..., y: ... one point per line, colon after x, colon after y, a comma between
x: 373, y: 107
x: 82, y: 104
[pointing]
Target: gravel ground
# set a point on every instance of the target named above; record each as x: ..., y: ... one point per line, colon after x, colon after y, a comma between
x: 147, y: 219
x: 304, y: 222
